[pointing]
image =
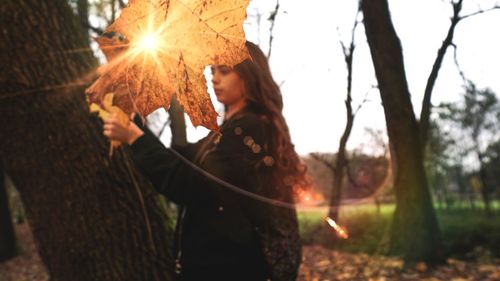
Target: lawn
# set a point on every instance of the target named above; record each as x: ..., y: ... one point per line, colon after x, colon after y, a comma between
x: 466, y: 233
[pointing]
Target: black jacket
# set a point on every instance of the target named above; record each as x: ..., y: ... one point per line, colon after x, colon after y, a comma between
x: 222, y: 234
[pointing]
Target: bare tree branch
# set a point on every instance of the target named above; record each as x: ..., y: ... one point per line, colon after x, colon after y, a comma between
x: 122, y: 4
x: 460, y: 71
x: 95, y: 29
x: 272, y: 18
x: 496, y: 7
x: 258, y: 16
x: 325, y: 159
x: 448, y: 41
x: 365, y: 100
x: 431, y: 80
x: 163, y: 127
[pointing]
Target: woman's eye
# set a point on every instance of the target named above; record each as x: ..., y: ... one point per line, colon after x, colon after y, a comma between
x: 224, y: 69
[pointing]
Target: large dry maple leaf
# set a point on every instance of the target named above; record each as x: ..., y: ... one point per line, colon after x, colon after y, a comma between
x: 157, y: 48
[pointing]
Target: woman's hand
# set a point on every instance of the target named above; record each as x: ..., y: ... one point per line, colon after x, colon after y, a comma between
x: 114, y: 130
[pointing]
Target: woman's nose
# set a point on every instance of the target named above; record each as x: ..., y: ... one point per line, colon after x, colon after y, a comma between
x: 215, y: 78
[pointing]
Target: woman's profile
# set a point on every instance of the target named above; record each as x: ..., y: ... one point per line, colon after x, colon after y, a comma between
x: 222, y: 234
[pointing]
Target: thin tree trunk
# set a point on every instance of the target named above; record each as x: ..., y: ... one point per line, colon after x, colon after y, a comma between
x: 414, y: 233
x: 272, y: 19
x: 485, y: 190
x: 83, y: 14
x: 112, y: 3
x: 341, y: 160
x: 177, y: 123
x: 341, y: 163
x: 7, y: 235
x: 93, y: 218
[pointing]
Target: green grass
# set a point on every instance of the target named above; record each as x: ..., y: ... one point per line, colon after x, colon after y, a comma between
x: 463, y: 230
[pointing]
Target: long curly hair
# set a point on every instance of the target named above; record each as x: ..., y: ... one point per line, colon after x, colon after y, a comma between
x: 264, y: 97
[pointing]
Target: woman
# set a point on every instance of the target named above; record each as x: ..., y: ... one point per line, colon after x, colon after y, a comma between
x: 222, y: 234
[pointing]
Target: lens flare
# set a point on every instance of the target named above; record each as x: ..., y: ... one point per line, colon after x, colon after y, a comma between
x: 149, y: 43
x: 341, y: 231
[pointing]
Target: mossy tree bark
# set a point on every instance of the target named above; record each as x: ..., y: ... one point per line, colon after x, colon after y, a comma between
x: 93, y: 217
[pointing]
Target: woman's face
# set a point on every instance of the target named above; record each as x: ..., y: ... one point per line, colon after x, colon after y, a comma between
x: 228, y: 86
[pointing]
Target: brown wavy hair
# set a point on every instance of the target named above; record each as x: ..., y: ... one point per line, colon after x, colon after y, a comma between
x: 264, y: 97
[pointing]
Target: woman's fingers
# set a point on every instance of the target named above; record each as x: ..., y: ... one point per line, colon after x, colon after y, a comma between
x: 107, y: 133
x: 113, y: 121
x: 115, y: 130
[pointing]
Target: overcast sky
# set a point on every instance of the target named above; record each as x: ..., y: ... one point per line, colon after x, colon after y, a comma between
x: 308, y: 60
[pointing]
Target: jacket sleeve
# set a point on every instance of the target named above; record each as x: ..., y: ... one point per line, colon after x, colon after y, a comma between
x: 232, y: 160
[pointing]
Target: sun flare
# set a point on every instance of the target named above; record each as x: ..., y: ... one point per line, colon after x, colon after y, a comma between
x: 149, y: 43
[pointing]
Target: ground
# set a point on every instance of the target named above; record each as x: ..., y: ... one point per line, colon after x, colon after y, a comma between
x: 319, y: 264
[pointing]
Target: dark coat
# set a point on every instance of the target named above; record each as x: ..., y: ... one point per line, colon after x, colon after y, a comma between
x: 222, y: 234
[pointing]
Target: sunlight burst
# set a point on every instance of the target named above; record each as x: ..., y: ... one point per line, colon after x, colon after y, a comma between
x: 149, y: 43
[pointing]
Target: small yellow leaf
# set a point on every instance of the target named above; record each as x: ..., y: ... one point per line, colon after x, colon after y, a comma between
x: 107, y: 101
x: 94, y: 107
x: 104, y: 113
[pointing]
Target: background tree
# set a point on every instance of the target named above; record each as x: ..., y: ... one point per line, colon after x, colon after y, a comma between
x: 177, y: 123
x: 414, y: 232
x: 339, y: 163
x: 439, y: 159
x: 492, y: 167
x: 477, y: 116
x: 93, y: 218
x: 339, y: 168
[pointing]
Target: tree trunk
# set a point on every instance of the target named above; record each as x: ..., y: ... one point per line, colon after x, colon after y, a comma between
x: 414, y: 233
x: 7, y: 236
x: 341, y: 160
x: 83, y: 14
x: 93, y: 218
x: 340, y: 164
x: 177, y: 123
x: 485, y: 190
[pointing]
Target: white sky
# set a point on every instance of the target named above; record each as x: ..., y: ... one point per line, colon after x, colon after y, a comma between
x: 307, y: 58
